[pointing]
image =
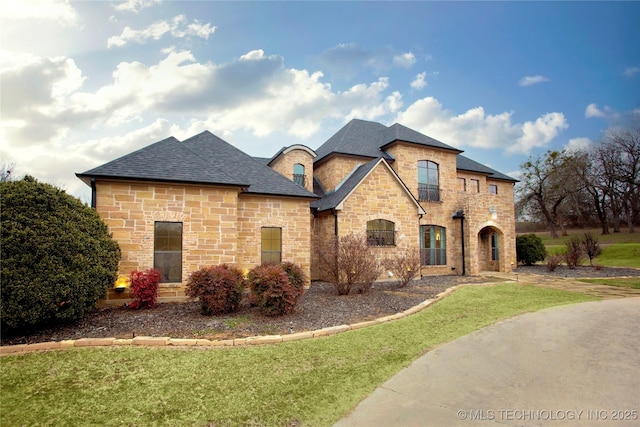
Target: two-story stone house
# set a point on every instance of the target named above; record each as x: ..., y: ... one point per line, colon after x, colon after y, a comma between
x: 179, y: 206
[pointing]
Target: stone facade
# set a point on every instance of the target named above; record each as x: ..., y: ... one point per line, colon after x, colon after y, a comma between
x: 219, y: 226
x: 297, y: 154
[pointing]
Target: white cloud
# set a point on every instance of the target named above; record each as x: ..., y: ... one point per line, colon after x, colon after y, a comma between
x: 177, y: 27
x: 134, y: 6
x: 631, y: 71
x: 592, y: 111
x: 532, y: 80
x: 420, y: 81
x: 53, y: 10
x: 578, y: 144
x: 405, y: 60
x: 476, y: 129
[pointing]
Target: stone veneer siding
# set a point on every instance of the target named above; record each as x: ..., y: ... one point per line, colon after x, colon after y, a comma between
x: 219, y: 226
x: 290, y: 214
x: 332, y: 172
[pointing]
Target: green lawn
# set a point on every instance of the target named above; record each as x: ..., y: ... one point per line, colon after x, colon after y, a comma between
x: 632, y: 282
x: 618, y: 249
x: 312, y: 382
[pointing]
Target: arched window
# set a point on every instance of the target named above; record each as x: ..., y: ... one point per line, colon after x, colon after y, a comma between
x: 381, y: 232
x: 428, y: 182
x: 433, y: 245
x: 298, y: 174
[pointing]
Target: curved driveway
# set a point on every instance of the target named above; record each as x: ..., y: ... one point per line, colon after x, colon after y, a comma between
x: 569, y: 365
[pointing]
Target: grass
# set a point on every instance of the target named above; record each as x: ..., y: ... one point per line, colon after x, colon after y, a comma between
x: 633, y: 282
x: 618, y: 249
x: 312, y: 382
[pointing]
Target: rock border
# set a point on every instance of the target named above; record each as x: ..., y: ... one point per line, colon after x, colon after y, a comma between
x: 19, y: 349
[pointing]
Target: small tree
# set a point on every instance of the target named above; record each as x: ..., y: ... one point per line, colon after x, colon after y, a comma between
x: 530, y: 249
x: 404, y: 266
x: 58, y: 258
x: 591, y: 247
x: 348, y: 262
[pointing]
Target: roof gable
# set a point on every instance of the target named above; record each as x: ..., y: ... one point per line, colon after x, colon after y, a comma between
x: 335, y: 199
x: 201, y: 159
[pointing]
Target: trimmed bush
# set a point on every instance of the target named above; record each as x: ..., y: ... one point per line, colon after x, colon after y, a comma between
x: 297, y: 278
x: 57, y: 256
x: 219, y: 288
x: 530, y: 249
x: 144, y: 288
x: 271, y: 290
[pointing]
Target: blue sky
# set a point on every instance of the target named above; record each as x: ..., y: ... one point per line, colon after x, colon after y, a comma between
x: 86, y: 82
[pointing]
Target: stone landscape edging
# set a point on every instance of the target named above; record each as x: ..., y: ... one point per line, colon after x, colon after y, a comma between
x: 145, y: 341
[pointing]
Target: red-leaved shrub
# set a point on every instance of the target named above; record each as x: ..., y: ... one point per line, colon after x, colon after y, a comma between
x: 297, y: 278
x: 218, y: 287
x: 271, y: 290
x: 144, y: 288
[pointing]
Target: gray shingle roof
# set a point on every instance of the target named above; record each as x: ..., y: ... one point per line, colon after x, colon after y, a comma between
x: 201, y: 159
x: 466, y: 164
x: 333, y: 199
x: 369, y: 139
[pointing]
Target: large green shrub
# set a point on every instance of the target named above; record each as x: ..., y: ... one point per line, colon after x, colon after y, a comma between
x: 218, y: 287
x: 58, y: 258
x: 271, y: 289
x: 530, y: 249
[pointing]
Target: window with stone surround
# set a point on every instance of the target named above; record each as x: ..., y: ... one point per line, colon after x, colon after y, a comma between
x: 381, y: 232
x: 462, y: 184
x: 433, y: 247
x: 298, y: 174
x: 428, y: 181
x: 271, y: 244
x: 475, y: 185
x: 167, y: 250
x: 493, y: 189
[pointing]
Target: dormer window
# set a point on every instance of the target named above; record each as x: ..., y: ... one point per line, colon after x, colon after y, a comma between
x: 298, y: 174
x: 428, y: 181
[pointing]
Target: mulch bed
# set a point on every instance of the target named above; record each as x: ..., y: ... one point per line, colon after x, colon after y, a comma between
x: 319, y: 307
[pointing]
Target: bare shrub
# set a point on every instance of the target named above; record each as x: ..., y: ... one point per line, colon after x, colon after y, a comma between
x: 348, y: 262
x: 591, y: 247
x: 404, y: 266
x: 573, y: 253
x: 553, y: 261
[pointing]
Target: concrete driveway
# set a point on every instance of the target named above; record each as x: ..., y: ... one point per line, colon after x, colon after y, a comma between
x: 570, y: 365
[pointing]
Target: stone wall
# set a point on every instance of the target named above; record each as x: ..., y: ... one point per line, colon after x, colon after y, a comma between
x: 283, y: 164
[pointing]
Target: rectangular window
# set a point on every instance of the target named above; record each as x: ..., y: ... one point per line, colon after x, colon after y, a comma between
x: 475, y: 185
x: 167, y: 251
x: 462, y: 184
x: 493, y: 189
x: 433, y: 247
x: 271, y: 245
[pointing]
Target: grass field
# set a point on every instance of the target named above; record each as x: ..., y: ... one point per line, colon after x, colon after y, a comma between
x: 631, y: 282
x: 312, y: 382
x: 618, y: 249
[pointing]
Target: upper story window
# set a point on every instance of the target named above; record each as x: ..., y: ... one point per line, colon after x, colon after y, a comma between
x: 493, y: 189
x: 428, y: 181
x: 167, y: 250
x: 462, y: 184
x: 475, y: 185
x: 298, y: 174
x: 381, y: 232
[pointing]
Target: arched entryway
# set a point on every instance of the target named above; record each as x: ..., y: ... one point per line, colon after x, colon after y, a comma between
x: 490, y: 243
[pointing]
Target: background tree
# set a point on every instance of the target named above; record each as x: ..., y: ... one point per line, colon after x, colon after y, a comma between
x: 57, y: 257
